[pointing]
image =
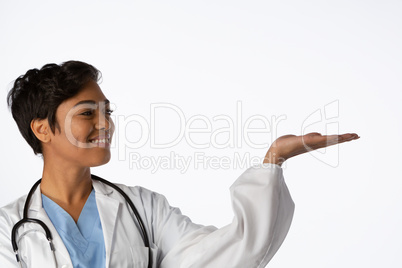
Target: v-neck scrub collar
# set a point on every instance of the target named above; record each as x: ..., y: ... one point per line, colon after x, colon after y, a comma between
x: 84, y: 239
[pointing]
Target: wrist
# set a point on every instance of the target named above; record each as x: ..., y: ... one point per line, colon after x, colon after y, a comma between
x: 273, y: 157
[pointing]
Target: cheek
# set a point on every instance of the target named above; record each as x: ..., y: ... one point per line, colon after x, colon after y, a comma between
x: 78, y: 133
x: 111, y: 123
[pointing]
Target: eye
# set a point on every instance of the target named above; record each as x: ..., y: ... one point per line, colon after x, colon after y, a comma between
x: 87, y: 113
x: 109, y: 112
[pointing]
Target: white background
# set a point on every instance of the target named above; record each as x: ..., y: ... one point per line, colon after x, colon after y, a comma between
x: 289, y: 58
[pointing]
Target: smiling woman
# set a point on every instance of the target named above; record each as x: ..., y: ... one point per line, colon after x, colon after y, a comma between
x: 89, y: 222
x: 87, y: 125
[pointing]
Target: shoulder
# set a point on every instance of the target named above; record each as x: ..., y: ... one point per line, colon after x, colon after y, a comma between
x: 138, y: 190
x: 143, y: 194
x: 13, y: 211
x: 151, y: 205
x: 139, y: 195
x: 9, y: 216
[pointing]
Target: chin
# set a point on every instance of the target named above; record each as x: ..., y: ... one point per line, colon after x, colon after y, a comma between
x: 100, y: 159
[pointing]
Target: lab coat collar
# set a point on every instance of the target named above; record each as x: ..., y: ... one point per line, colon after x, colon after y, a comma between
x: 36, y: 200
x: 38, y: 212
x: 107, y: 207
x: 101, y: 188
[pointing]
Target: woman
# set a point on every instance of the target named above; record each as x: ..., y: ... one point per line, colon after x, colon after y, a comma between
x: 63, y: 115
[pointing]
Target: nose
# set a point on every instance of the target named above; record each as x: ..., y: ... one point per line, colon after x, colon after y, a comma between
x: 104, y: 121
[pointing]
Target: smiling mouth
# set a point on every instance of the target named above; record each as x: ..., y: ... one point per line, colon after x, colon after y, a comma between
x: 101, y: 140
x: 98, y: 141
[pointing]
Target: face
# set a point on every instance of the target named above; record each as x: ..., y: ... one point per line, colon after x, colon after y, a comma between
x: 86, y: 129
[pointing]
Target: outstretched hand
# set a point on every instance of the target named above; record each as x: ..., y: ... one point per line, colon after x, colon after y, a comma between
x: 288, y: 146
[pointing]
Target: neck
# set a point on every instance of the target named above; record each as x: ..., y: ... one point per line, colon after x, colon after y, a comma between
x: 69, y: 187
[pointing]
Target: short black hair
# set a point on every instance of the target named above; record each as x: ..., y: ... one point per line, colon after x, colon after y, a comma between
x: 38, y: 93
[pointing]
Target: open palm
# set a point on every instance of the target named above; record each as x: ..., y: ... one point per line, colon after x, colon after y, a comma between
x: 288, y: 146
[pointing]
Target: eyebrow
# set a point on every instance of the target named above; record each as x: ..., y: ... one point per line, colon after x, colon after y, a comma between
x: 106, y: 101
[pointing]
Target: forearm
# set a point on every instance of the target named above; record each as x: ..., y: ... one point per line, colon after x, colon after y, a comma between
x: 263, y: 210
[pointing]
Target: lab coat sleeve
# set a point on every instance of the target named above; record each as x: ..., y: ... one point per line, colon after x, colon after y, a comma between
x: 263, y: 211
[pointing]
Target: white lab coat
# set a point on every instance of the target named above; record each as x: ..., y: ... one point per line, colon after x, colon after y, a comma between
x: 263, y: 211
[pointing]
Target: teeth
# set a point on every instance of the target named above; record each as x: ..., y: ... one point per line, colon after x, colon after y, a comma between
x: 101, y: 141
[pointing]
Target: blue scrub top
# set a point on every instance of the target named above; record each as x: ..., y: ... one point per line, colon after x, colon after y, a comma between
x: 84, y: 240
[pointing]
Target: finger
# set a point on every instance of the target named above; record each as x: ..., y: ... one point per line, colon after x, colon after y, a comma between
x: 318, y: 137
x: 313, y: 141
x: 349, y: 136
x: 336, y: 139
x: 342, y: 137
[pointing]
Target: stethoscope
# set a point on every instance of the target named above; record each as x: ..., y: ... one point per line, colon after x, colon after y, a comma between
x: 48, y: 234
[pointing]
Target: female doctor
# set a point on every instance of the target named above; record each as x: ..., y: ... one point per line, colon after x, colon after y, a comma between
x: 71, y: 219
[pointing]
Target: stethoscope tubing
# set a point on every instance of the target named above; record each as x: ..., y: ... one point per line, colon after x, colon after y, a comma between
x: 137, y: 215
x: 25, y: 219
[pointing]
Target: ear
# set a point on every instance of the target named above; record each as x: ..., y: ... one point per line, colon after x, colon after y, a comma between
x: 41, y: 129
